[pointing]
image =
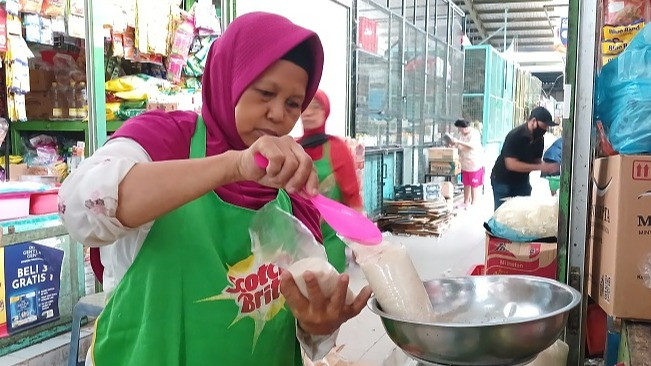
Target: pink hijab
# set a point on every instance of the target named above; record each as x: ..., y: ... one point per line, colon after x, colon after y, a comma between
x: 250, y: 44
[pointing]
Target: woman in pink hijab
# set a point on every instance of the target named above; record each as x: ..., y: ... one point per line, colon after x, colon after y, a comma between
x: 335, y: 168
x: 168, y: 202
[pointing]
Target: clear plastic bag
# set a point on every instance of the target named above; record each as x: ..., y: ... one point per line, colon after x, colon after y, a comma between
x: 523, y: 219
x: 394, y: 281
x: 279, y: 238
x: 623, y: 97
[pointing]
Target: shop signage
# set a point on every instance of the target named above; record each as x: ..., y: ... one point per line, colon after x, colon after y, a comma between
x: 367, y: 34
x: 563, y: 31
x: 30, y: 281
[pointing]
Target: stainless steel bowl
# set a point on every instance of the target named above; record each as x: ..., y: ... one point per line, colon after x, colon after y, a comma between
x: 485, y: 320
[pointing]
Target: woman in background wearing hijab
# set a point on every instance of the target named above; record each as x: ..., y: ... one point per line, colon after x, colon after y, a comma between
x: 335, y: 168
x: 168, y: 200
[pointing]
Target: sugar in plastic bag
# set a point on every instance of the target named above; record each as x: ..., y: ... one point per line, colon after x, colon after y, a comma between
x: 394, y: 281
x: 278, y: 237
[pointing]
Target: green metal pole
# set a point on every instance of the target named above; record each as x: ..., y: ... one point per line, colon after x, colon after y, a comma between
x: 95, y: 75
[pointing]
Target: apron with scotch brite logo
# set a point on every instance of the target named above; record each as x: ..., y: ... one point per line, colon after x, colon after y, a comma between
x: 195, y: 295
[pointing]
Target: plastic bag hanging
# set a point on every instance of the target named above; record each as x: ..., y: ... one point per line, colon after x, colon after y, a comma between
x: 623, y: 97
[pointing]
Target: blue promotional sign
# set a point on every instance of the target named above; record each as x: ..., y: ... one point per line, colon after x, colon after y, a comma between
x: 563, y: 31
x: 32, y: 274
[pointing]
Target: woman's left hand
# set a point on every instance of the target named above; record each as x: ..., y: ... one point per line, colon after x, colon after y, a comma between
x: 317, y: 314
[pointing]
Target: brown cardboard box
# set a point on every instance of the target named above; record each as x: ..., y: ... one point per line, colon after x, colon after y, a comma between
x: 620, y: 235
x: 440, y: 167
x: 16, y: 170
x: 38, y: 105
x: 506, y: 257
x: 40, y: 80
x: 443, y: 153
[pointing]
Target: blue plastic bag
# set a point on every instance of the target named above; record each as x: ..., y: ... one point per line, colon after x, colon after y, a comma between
x: 623, y: 97
x: 505, y: 232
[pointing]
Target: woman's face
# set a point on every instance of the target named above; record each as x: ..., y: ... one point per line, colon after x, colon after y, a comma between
x: 314, y: 116
x: 272, y: 104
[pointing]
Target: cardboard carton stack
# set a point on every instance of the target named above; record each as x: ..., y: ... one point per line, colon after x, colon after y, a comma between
x: 444, y: 161
x: 423, y: 218
x: 620, y: 236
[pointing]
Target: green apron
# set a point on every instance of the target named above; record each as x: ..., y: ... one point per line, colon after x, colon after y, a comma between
x: 335, y: 248
x: 196, y: 296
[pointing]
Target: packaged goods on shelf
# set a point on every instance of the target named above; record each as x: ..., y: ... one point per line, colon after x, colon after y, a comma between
x: 623, y: 12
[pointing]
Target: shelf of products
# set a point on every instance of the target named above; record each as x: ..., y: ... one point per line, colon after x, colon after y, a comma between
x: 23, y: 130
x: 150, y: 60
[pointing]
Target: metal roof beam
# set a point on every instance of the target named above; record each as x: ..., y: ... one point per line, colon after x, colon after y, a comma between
x: 499, y: 42
x: 496, y: 23
x: 472, y: 12
x: 522, y: 28
x: 512, y: 11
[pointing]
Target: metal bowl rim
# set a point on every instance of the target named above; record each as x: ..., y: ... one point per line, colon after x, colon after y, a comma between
x: 576, y: 299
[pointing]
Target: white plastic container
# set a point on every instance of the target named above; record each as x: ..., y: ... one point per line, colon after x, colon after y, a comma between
x: 14, y: 205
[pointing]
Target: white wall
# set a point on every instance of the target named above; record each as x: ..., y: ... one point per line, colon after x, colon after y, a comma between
x: 329, y: 19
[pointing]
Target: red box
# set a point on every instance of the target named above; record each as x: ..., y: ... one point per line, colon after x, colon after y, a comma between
x: 367, y: 34
x: 506, y: 257
x: 43, y: 203
x: 476, y: 270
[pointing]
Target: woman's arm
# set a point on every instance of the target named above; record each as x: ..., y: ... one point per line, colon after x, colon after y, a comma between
x: 87, y: 204
x: 465, y: 145
x: 151, y: 190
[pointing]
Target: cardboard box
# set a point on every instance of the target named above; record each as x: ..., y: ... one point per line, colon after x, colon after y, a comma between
x: 620, y: 235
x: 40, y: 80
x: 447, y: 168
x: 16, y: 171
x: 507, y: 257
x: 443, y: 153
x: 38, y: 105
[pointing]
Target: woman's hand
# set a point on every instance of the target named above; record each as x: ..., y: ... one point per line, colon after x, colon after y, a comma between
x: 290, y: 167
x: 316, y: 314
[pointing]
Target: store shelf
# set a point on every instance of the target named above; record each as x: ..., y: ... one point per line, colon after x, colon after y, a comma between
x: 58, y: 126
x: 61, y: 126
x: 55, y: 126
x: 112, y: 126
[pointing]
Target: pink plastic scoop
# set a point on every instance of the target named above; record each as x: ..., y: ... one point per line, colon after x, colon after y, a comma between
x: 344, y: 220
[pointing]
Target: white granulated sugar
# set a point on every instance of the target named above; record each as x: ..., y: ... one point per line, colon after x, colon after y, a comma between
x: 395, y: 282
x: 325, y: 273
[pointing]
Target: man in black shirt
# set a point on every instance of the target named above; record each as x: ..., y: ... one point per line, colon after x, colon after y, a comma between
x: 521, y: 154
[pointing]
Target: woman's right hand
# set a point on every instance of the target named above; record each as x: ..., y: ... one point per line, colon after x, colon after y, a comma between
x: 290, y: 167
